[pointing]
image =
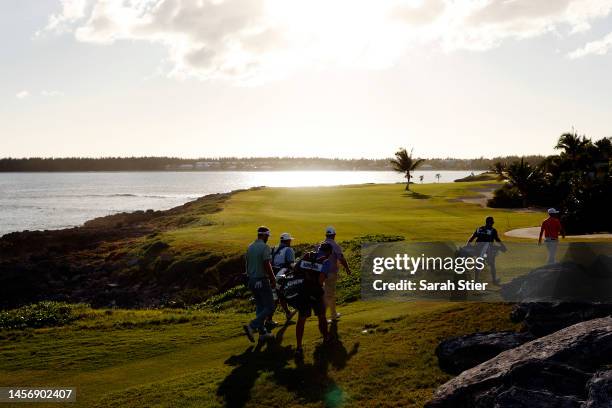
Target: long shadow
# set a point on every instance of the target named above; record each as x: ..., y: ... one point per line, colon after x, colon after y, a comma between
x: 415, y: 195
x: 268, y: 357
x: 309, y: 381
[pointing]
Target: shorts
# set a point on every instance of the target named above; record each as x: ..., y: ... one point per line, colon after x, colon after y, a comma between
x: 307, y: 304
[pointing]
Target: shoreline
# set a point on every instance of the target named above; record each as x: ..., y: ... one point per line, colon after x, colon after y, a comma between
x: 230, y: 171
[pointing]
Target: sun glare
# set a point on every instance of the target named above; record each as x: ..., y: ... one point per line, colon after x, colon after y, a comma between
x: 343, y: 33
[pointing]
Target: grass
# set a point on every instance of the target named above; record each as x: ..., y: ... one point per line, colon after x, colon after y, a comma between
x: 431, y: 213
x: 205, y: 361
x: 198, y: 357
x: 42, y: 314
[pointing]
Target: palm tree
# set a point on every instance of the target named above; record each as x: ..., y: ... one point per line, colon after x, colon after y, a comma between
x: 499, y: 168
x: 405, y: 163
x: 438, y: 175
x: 524, y: 177
x: 573, y: 146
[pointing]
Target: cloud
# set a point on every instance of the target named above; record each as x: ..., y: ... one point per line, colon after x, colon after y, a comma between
x: 599, y: 47
x: 71, y: 11
x: 51, y: 93
x: 256, y: 40
x: 22, y: 95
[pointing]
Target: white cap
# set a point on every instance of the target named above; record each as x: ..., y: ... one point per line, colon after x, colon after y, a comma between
x: 553, y: 211
x: 263, y: 231
x: 285, y: 236
x: 330, y: 230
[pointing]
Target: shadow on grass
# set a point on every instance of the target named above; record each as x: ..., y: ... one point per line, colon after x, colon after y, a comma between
x: 309, y: 381
x: 416, y: 196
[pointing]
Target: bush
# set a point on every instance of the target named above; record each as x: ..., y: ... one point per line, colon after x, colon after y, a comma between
x: 506, y: 197
x: 219, y: 301
x: 42, y: 314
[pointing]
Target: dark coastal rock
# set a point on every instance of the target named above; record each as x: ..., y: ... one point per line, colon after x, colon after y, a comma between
x: 457, y: 354
x: 588, y: 280
x: 517, y: 397
x: 552, y: 371
x: 541, y: 318
x: 600, y: 390
x: 102, y: 262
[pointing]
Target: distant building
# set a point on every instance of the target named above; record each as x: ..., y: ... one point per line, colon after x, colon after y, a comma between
x: 204, y: 165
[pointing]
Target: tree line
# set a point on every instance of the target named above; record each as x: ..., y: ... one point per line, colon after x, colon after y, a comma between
x: 578, y: 181
x: 68, y: 164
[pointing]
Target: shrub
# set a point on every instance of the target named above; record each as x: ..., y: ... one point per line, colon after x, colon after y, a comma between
x: 506, y: 197
x: 42, y: 314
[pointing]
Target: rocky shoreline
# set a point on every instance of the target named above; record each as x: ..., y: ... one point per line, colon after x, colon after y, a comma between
x: 118, y: 260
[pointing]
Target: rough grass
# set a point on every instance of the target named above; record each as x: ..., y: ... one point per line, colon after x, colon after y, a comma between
x: 180, y: 358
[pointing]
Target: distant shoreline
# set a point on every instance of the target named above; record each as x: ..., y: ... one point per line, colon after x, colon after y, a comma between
x: 75, y: 164
x: 225, y: 170
x: 52, y: 200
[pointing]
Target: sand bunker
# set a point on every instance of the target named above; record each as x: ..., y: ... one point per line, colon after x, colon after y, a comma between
x: 534, y: 232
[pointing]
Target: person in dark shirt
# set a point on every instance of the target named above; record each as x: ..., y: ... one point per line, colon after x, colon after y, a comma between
x: 485, y: 236
x: 314, y: 270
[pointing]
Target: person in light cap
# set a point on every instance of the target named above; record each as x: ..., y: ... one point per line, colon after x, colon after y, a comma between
x: 283, y: 257
x: 336, y: 257
x: 261, y: 282
x: 550, y: 229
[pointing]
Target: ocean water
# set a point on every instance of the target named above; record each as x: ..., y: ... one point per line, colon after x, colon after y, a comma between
x: 39, y: 201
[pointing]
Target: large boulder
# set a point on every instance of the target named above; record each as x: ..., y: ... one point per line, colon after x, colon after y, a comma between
x: 571, y: 281
x: 552, y: 371
x: 517, y: 397
x: 457, y: 354
x: 541, y: 318
x: 600, y: 390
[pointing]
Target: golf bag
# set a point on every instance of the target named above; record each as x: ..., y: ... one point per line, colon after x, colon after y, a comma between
x: 301, y: 280
x: 290, y: 287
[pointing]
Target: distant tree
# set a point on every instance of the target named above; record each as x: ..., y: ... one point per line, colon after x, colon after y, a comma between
x: 405, y: 163
x: 438, y: 175
x: 421, y: 177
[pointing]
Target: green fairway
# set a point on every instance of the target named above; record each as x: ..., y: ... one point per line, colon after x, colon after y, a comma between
x: 431, y: 213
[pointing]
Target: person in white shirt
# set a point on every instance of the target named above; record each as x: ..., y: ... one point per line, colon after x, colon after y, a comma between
x: 283, y: 257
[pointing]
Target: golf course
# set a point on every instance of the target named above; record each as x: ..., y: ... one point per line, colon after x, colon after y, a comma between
x: 197, y: 355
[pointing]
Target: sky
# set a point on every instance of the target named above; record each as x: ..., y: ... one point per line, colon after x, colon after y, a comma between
x: 327, y: 78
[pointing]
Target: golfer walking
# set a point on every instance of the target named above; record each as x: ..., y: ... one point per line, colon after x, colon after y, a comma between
x: 550, y: 229
x: 336, y: 257
x: 261, y: 282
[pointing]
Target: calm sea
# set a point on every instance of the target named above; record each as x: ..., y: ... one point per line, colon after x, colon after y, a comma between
x: 38, y: 201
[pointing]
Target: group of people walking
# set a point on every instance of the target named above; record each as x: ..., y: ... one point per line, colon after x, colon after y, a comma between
x: 264, y: 265
x: 486, y: 236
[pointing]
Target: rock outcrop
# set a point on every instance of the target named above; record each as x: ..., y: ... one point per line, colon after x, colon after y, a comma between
x: 558, y: 370
x: 600, y: 390
x: 586, y: 277
x: 541, y: 319
x: 457, y: 354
